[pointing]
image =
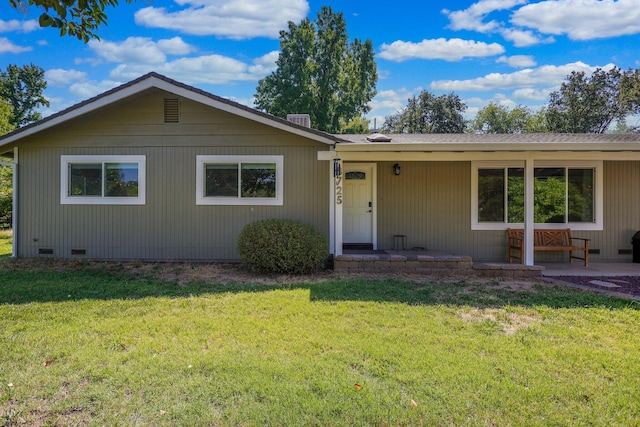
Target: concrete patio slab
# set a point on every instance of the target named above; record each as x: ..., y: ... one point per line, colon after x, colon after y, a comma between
x: 605, y: 269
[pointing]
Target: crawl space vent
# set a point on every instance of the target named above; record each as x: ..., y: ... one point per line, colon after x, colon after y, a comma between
x: 171, y: 110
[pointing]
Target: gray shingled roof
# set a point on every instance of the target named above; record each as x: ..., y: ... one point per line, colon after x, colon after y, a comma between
x: 465, y: 138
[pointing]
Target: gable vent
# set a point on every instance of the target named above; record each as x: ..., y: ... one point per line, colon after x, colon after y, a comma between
x: 171, y: 110
x: 300, y: 119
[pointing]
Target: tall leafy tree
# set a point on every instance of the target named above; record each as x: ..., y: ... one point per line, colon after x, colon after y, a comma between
x: 75, y: 18
x: 496, y: 118
x: 427, y: 113
x: 22, y: 88
x: 5, y: 117
x: 589, y: 104
x: 320, y: 73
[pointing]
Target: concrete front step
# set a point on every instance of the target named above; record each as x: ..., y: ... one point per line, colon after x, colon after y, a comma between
x: 444, y: 265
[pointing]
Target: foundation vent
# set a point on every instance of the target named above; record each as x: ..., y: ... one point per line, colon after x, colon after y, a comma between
x: 45, y: 251
x: 78, y: 251
x: 300, y: 119
x: 171, y: 110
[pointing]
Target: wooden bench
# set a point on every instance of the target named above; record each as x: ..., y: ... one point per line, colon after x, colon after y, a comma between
x: 548, y: 240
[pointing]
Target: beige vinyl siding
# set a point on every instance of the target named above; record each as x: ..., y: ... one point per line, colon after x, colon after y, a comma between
x: 170, y: 226
x: 430, y: 202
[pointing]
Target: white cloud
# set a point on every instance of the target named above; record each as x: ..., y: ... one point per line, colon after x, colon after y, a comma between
x: 524, y: 38
x: 175, y: 46
x: 236, y: 19
x: 472, y: 17
x: 15, y: 25
x: 581, y: 19
x: 6, y: 46
x: 60, y: 77
x: 446, y: 49
x: 264, y: 64
x: 88, y: 89
x: 140, y: 50
x: 517, y: 61
x: 209, y: 69
x: 545, y: 76
x: 530, y: 94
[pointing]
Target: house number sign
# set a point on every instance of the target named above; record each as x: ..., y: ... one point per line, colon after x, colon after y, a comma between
x: 337, y: 174
x: 338, y: 190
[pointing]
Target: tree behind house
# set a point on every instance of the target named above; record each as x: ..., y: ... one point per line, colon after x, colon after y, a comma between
x: 428, y: 113
x: 22, y: 88
x: 321, y: 74
x: 496, y: 118
x: 589, y: 104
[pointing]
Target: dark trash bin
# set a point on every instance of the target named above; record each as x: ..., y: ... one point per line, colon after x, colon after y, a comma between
x: 635, y: 241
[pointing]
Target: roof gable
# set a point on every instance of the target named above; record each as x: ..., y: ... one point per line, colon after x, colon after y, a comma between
x: 155, y: 80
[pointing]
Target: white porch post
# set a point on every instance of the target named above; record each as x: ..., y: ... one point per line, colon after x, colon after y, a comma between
x: 528, y: 210
x: 332, y: 210
x: 338, y: 197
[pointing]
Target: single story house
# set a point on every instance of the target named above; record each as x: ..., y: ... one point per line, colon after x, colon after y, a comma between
x: 159, y: 170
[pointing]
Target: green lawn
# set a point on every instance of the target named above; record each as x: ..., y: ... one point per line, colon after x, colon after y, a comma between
x: 5, y: 243
x: 90, y: 346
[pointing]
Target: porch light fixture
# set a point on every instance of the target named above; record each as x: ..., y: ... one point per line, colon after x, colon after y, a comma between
x: 337, y: 170
x: 396, y: 169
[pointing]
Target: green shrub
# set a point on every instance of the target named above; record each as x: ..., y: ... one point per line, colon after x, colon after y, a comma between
x: 282, y: 246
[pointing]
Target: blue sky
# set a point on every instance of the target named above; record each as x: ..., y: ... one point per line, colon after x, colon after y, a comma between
x: 514, y: 52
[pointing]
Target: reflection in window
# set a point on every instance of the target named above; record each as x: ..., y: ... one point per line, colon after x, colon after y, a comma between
x: 85, y: 179
x: 581, y: 195
x: 491, y: 195
x: 255, y: 180
x: 549, y: 195
x: 120, y: 179
x: 221, y: 180
x: 258, y: 180
x: 561, y: 195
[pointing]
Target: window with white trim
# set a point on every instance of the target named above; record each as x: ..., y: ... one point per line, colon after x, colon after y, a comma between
x: 239, y: 180
x: 102, y: 180
x: 566, y: 194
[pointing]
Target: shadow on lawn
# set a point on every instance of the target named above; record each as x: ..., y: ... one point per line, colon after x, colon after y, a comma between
x: 23, y: 285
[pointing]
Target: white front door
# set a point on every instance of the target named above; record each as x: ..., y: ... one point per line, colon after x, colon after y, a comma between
x: 358, y: 208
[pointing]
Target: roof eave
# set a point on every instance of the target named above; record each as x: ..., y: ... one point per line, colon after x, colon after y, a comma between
x: 487, y: 147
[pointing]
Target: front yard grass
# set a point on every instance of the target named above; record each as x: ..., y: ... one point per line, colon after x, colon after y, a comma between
x: 86, y: 345
x: 5, y: 243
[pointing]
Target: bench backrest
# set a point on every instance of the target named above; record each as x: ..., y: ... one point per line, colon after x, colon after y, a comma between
x: 544, y: 237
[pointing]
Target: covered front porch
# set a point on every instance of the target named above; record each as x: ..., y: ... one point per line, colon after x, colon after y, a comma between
x: 424, y: 193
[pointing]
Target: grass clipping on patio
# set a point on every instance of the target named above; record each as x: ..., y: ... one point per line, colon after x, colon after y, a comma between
x: 114, y: 344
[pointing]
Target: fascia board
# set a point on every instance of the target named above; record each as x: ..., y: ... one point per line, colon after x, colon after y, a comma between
x: 488, y: 147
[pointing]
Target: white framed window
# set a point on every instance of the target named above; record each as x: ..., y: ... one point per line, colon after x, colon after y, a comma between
x: 239, y: 180
x: 102, y: 180
x: 567, y: 194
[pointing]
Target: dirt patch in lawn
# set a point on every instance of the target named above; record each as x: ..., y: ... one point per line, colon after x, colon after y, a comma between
x: 228, y: 273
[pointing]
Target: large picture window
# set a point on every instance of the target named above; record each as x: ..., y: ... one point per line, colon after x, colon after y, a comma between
x: 564, y: 195
x: 102, y: 180
x: 239, y: 180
